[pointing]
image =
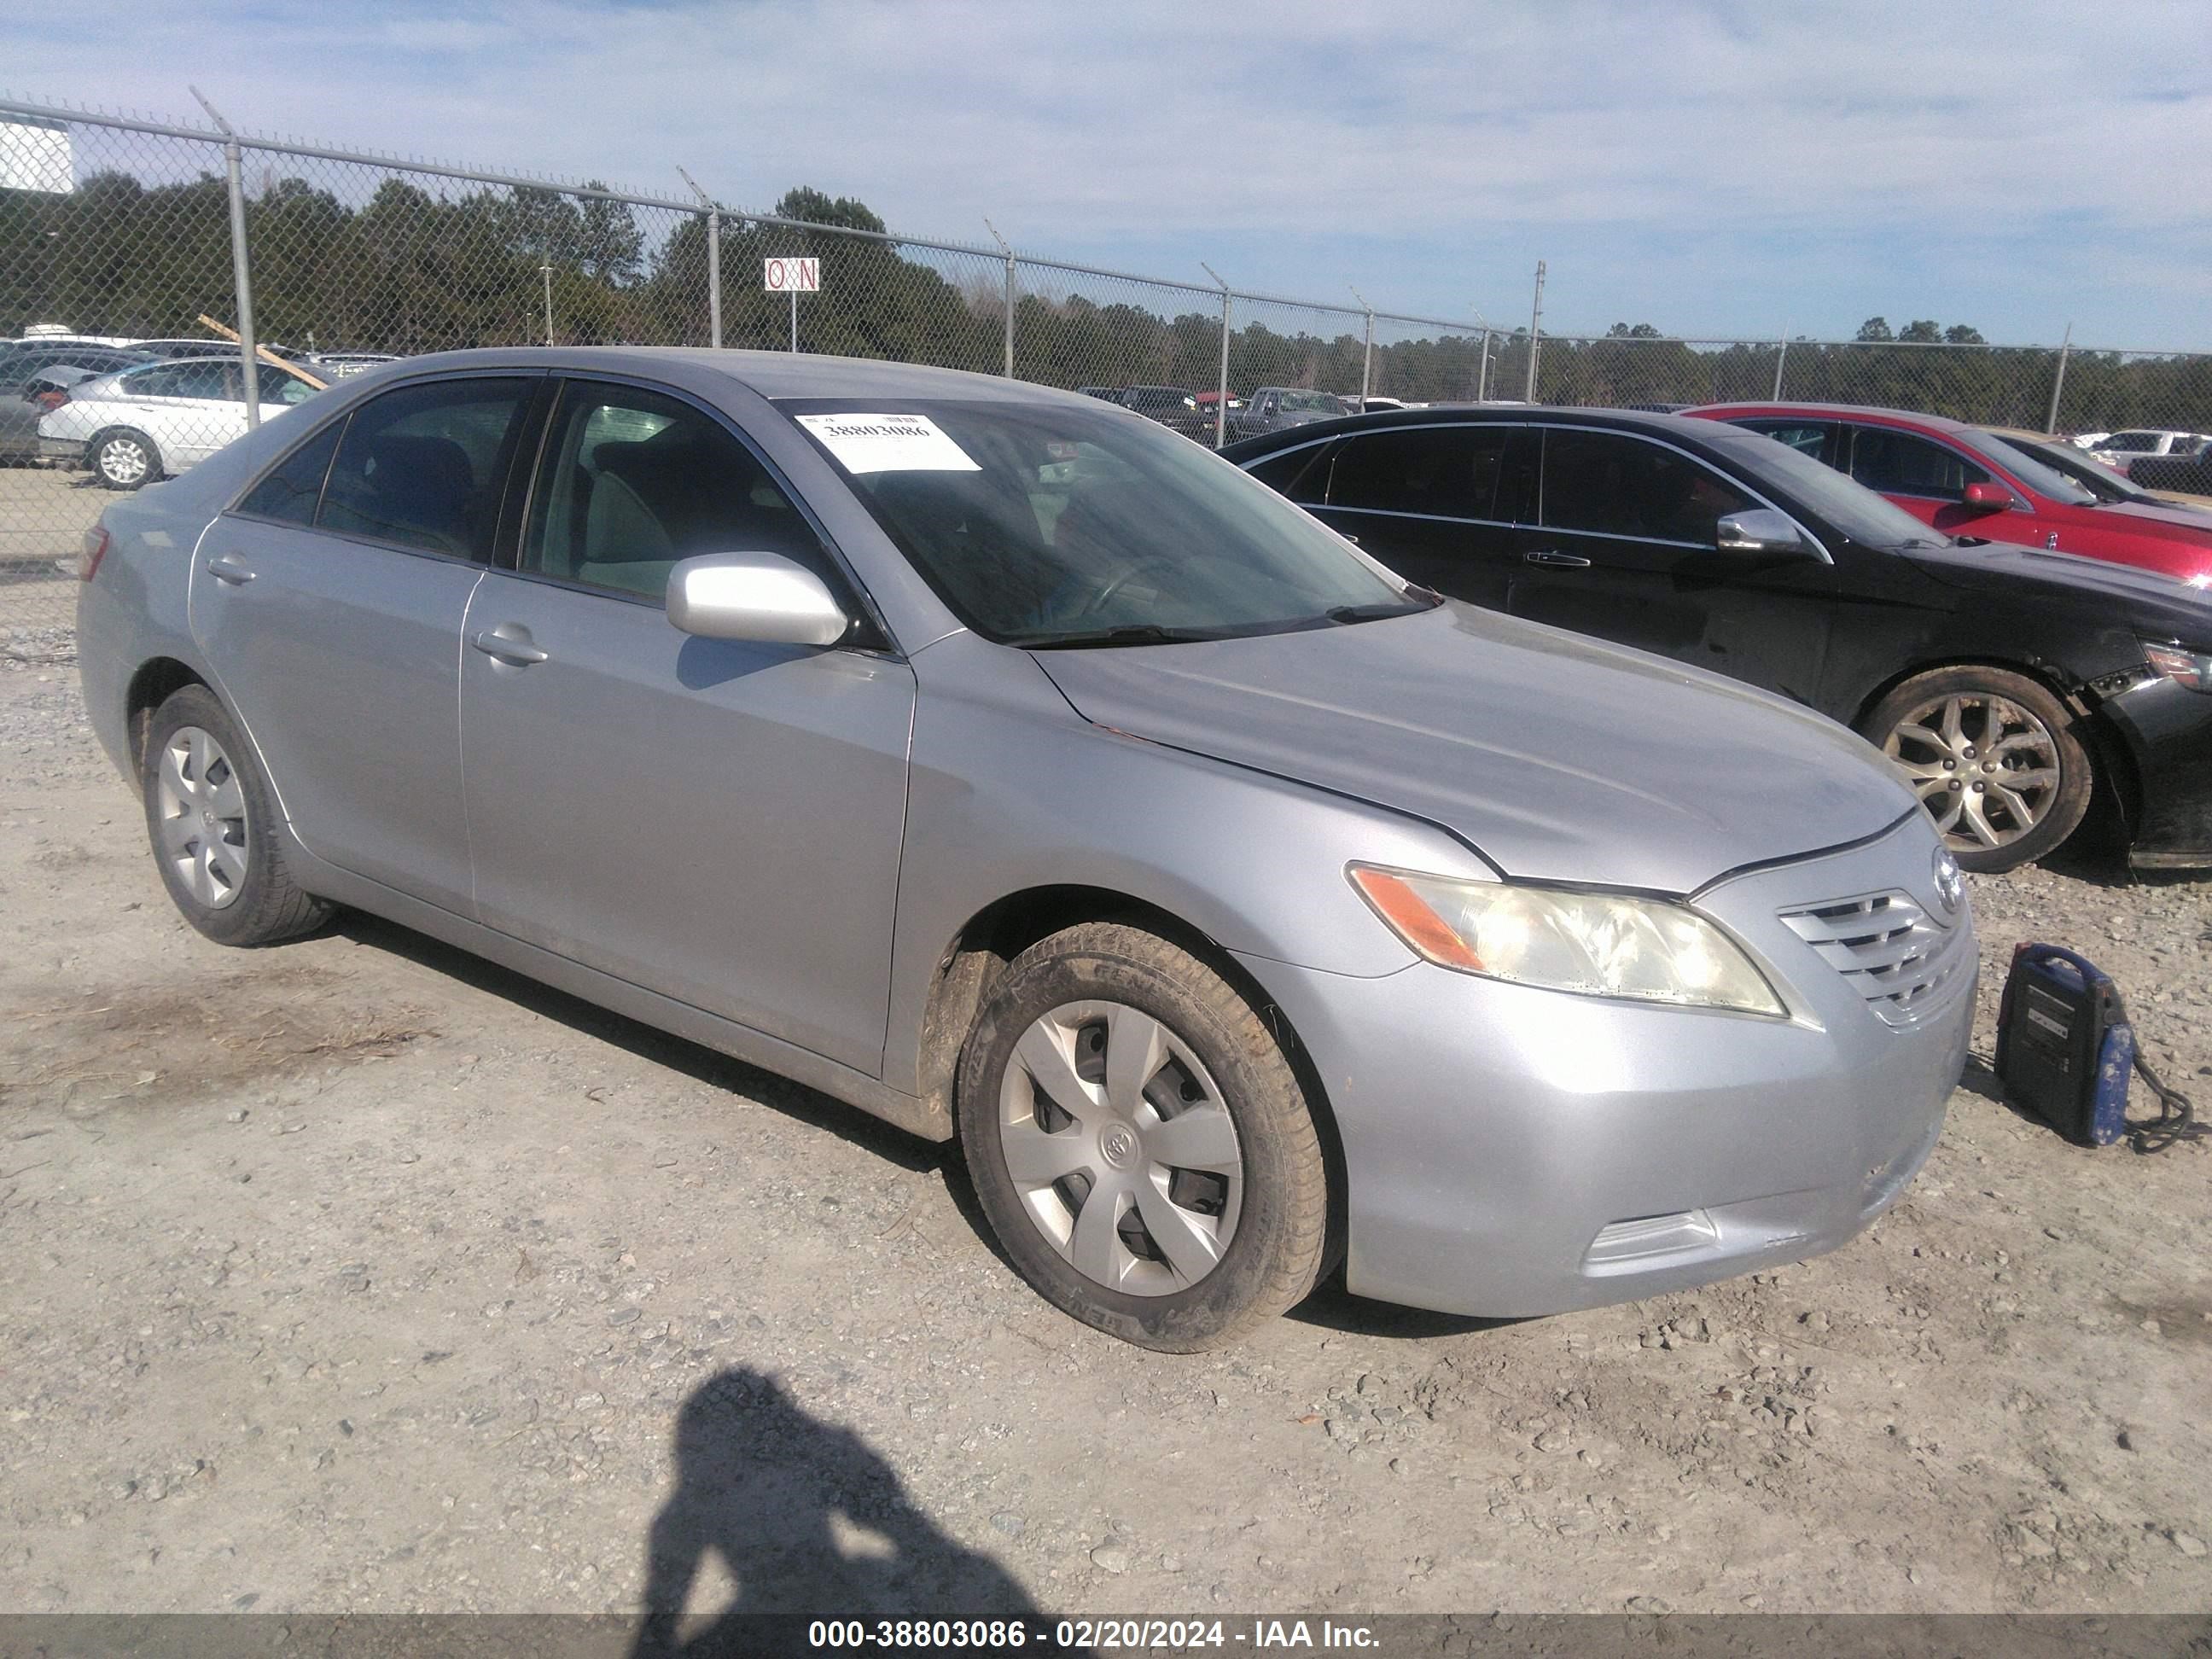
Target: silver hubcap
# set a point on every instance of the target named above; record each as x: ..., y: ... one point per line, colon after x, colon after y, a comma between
x: 1986, y: 769
x: 200, y: 812
x: 123, y: 459
x: 1120, y: 1148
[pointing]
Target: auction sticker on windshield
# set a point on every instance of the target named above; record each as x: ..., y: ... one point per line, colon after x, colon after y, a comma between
x: 888, y: 443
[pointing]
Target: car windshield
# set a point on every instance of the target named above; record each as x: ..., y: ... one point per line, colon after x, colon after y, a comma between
x: 1050, y: 525
x: 1300, y: 403
x: 2092, y: 475
x: 2044, y: 480
x: 1851, y: 508
x: 2134, y: 443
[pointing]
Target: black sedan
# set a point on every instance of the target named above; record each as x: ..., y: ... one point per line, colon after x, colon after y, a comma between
x: 2010, y: 686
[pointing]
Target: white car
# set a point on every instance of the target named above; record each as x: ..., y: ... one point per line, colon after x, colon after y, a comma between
x: 2122, y: 450
x: 139, y: 425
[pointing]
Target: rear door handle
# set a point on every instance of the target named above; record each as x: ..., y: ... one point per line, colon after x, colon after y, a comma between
x: 229, y: 567
x: 1565, y: 561
x: 508, y: 643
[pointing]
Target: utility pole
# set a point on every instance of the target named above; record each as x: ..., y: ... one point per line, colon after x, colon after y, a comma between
x: 1535, y: 328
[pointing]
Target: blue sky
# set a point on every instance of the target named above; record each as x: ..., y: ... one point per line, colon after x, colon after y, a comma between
x: 1715, y: 168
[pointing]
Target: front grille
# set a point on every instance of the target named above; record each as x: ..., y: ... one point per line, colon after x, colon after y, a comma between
x: 1888, y: 949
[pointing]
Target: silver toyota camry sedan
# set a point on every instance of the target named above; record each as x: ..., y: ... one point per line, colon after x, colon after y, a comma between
x: 1006, y: 765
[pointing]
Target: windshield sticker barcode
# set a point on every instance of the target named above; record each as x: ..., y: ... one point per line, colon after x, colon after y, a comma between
x: 888, y: 443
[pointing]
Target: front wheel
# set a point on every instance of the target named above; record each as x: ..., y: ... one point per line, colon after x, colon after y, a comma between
x: 1140, y: 1143
x: 1993, y: 756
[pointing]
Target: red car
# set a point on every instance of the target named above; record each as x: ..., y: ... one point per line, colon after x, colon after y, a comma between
x: 1965, y: 483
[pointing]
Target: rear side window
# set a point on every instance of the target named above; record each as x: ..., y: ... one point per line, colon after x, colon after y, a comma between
x: 424, y: 465
x: 1615, y: 485
x: 1897, y: 463
x: 1446, y: 473
x: 1808, y: 438
x: 289, y: 493
x: 189, y: 380
x: 1302, y: 474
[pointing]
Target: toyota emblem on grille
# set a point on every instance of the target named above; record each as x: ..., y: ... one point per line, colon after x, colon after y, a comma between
x: 1950, y: 885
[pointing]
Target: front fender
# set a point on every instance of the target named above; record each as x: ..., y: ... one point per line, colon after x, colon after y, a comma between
x: 1011, y: 790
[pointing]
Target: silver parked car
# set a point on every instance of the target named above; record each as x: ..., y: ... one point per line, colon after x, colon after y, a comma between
x: 137, y: 426
x: 1004, y: 764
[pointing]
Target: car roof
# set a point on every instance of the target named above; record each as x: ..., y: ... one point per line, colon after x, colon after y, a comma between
x: 773, y: 374
x: 1938, y: 423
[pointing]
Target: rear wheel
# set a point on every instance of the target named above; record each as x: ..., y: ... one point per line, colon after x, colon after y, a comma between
x: 211, y: 820
x: 1140, y: 1142
x: 1994, y: 757
x: 125, y: 460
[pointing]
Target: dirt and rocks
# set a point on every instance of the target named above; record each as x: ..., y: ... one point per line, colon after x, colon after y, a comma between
x: 360, y: 1276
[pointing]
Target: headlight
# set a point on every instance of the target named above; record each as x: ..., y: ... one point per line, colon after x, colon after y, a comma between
x: 2192, y: 668
x: 1599, y: 945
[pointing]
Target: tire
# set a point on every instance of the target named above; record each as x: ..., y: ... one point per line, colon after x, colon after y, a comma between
x: 1996, y: 810
x: 211, y: 824
x: 1245, y: 1230
x: 125, y: 458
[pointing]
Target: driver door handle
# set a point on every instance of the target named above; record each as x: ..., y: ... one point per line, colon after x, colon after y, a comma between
x: 508, y: 643
x: 1567, y: 561
x: 229, y: 567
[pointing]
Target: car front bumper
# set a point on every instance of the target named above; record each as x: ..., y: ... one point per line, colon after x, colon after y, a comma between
x: 2168, y: 728
x: 1512, y: 1151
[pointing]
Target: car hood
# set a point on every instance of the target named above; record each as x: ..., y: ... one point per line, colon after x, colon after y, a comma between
x: 1557, y: 756
x: 2144, y: 598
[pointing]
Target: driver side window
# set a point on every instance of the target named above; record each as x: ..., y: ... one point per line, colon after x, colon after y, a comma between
x: 634, y: 482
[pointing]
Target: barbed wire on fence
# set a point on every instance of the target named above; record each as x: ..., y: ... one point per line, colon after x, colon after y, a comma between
x: 129, y: 228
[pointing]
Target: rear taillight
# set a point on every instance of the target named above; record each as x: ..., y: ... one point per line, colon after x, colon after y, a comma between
x: 51, y: 401
x: 95, y: 549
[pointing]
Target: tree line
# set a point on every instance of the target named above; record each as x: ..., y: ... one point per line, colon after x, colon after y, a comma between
x: 403, y: 270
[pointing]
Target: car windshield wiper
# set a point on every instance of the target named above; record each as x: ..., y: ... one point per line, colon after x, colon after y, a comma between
x: 1405, y: 607
x: 1126, y: 634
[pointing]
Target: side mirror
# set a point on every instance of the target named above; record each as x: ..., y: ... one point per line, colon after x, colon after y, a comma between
x: 1988, y: 497
x: 762, y: 597
x: 1759, y: 530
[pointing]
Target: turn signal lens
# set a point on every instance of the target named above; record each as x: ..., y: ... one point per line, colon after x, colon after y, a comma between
x: 2192, y: 669
x: 1602, y: 944
x: 95, y: 549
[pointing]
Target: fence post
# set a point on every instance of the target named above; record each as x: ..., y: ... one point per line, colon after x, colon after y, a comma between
x: 1482, y: 371
x: 1221, y: 403
x: 241, y: 273
x: 2058, y: 381
x: 1005, y: 249
x: 1367, y: 358
x: 715, y: 277
x: 713, y: 263
x: 1781, y: 356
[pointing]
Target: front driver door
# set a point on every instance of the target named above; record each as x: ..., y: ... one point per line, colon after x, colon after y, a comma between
x: 1623, y: 547
x: 715, y: 820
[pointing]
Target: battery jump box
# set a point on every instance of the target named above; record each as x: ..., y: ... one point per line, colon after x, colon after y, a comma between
x: 2065, y: 1051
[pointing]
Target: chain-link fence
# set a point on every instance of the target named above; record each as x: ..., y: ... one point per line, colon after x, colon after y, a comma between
x: 165, y: 286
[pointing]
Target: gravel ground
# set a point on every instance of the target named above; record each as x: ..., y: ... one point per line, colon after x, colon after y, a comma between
x: 360, y: 1276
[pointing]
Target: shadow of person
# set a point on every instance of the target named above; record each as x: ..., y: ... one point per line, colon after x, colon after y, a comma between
x: 762, y: 1484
